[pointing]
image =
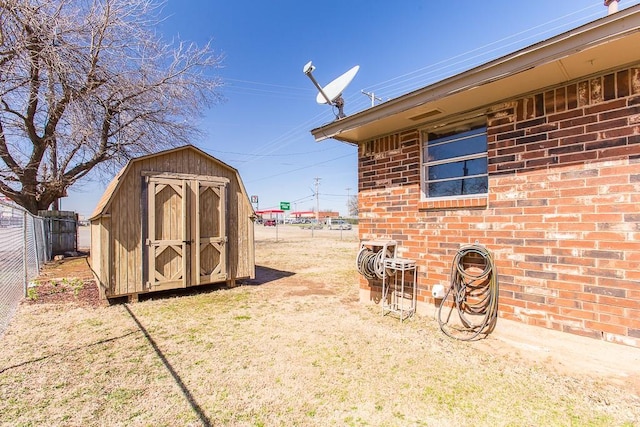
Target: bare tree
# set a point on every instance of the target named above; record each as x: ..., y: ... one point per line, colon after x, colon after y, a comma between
x: 352, y: 204
x: 88, y: 84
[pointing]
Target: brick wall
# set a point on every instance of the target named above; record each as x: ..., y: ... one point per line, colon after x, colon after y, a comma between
x: 562, y: 216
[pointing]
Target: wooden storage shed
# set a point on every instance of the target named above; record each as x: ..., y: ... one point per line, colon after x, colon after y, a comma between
x: 173, y: 219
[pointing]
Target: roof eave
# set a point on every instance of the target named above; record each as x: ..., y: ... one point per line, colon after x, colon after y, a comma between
x: 597, y: 32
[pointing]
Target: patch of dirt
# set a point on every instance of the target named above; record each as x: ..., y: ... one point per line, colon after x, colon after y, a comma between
x: 68, y: 280
x: 307, y: 287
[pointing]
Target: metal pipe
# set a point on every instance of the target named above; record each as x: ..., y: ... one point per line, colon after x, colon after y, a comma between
x: 319, y: 87
x: 612, y: 6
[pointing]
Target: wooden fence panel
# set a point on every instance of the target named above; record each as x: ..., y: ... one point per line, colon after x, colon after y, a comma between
x: 62, y: 227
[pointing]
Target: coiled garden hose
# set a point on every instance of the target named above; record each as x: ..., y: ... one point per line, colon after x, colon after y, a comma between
x: 371, y: 263
x: 473, y: 295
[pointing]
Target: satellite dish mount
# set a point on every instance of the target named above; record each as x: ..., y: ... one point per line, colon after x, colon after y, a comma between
x: 332, y: 93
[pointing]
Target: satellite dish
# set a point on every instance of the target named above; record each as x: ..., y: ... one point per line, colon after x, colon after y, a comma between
x: 334, y: 89
x: 332, y: 93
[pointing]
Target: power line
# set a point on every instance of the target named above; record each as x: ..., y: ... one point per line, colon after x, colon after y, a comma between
x: 403, y: 80
x: 301, y: 89
x: 270, y: 93
x: 287, y: 138
x: 337, y: 195
x: 300, y: 168
x: 305, y: 153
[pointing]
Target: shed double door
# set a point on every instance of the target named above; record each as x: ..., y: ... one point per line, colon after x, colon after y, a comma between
x: 186, y: 233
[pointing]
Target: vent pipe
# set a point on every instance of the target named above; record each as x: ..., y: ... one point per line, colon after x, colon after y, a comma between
x: 612, y: 5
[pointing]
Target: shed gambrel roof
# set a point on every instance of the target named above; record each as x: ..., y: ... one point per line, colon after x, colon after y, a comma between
x: 598, y: 46
x: 113, y: 186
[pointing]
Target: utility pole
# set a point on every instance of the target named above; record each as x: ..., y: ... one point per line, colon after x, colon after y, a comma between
x: 317, y: 180
x: 371, y: 96
x: 317, y: 183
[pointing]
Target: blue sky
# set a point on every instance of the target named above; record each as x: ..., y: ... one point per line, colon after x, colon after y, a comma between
x: 262, y: 127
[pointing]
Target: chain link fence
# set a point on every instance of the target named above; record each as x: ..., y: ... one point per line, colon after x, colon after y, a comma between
x: 24, y: 248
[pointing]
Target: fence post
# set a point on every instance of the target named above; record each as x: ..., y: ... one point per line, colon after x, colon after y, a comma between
x: 34, y: 237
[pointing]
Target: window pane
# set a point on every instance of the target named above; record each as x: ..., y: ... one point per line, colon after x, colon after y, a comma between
x: 479, y: 185
x: 458, y: 169
x: 459, y: 187
x: 446, y: 188
x: 436, y: 139
x: 459, y: 148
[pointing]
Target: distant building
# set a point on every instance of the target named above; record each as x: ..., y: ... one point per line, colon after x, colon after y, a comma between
x: 312, y: 214
x: 328, y: 214
x: 302, y: 214
x: 276, y: 214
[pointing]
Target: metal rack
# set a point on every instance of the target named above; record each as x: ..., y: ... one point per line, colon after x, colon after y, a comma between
x: 371, y: 257
x: 398, y: 303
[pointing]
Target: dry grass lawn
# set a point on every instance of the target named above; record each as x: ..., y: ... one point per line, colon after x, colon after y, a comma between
x: 293, y: 348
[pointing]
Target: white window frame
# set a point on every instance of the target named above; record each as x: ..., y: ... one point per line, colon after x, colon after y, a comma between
x: 426, y: 164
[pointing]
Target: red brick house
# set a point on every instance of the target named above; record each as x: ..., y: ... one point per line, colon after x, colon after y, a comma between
x: 535, y: 155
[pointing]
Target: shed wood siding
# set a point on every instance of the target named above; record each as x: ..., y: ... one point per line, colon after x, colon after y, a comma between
x: 118, y: 235
x: 100, y: 253
x: 562, y: 215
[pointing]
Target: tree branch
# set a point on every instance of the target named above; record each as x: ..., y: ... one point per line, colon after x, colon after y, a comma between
x: 89, y: 83
x: 6, y: 156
